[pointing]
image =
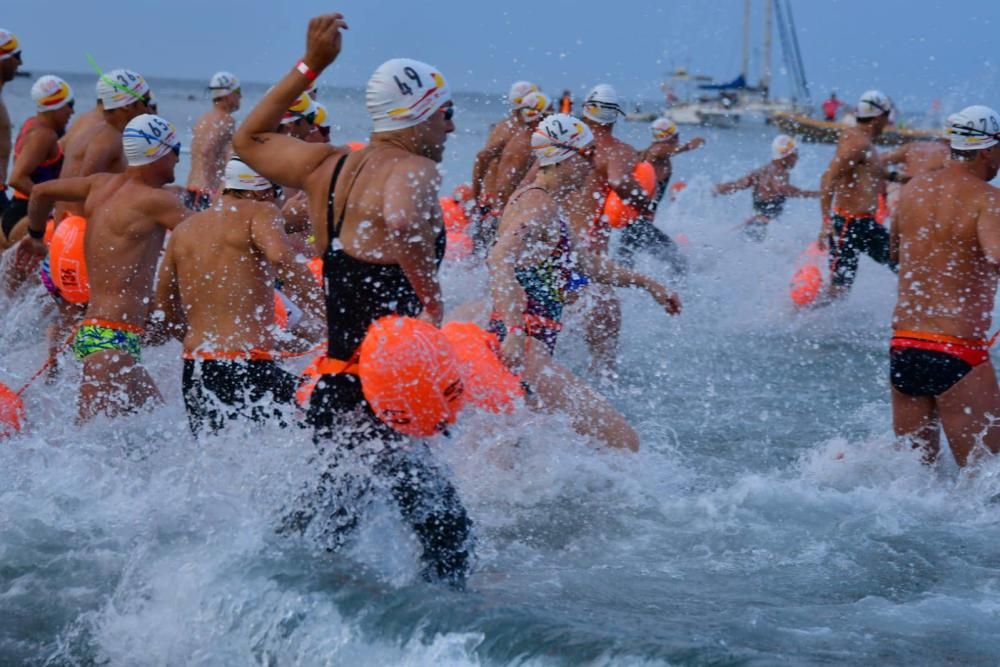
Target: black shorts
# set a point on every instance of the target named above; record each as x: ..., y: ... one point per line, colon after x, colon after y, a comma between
x: 405, y: 469
x: 15, y: 211
x: 218, y: 391
x: 848, y: 239
x: 643, y: 236
x: 919, y: 372
x: 4, y: 201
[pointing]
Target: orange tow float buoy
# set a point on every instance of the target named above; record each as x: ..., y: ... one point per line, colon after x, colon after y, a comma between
x: 409, y: 375
x: 488, y: 382
x: 11, y: 411
x: 280, y: 311
x: 66, y: 260
x: 356, y: 145
x: 458, y: 243
x: 618, y: 213
x: 807, y: 283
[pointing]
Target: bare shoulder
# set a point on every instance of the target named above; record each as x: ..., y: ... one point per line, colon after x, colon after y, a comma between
x: 417, y: 169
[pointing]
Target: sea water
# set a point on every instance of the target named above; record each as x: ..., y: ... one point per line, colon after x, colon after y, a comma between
x: 768, y: 519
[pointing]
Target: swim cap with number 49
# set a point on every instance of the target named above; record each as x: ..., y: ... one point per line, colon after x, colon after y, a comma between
x: 403, y: 93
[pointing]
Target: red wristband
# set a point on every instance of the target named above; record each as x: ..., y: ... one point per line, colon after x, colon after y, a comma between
x: 306, y: 71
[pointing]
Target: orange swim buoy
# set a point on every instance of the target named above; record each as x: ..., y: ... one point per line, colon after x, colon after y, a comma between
x: 488, y: 382
x: 310, y: 378
x: 618, y: 213
x: 807, y: 282
x: 410, y: 376
x: 66, y: 260
x: 458, y: 244
x: 356, y: 145
x: 11, y: 411
x: 316, y: 266
x: 280, y: 311
x: 50, y: 229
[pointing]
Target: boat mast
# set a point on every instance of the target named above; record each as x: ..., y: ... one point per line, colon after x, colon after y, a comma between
x: 765, y: 77
x: 745, y: 70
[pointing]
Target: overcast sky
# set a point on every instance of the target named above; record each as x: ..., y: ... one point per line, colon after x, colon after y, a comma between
x: 915, y: 51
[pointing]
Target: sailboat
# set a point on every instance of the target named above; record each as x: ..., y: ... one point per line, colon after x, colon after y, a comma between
x: 723, y: 105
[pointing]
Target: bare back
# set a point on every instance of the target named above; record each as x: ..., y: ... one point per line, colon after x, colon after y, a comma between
x: 97, y: 149
x: 584, y: 214
x: 210, y: 148
x: 225, y: 281
x: 499, y: 136
x: 859, y: 180
x: 125, y: 232
x: 946, y: 282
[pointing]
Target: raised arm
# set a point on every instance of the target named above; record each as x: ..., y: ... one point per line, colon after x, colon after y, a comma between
x: 695, y: 143
x: 280, y: 158
x: 413, y: 216
x: 267, y: 230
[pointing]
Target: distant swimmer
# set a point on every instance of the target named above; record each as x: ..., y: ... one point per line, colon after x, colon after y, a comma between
x: 38, y: 156
x: 613, y: 166
x: 10, y: 61
x: 771, y: 187
x: 849, y: 201
x: 211, y: 139
x: 533, y: 269
x: 377, y: 224
x: 946, y: 238
x: 566, y: 102
x: 642, y: 235
x: 516, y: 157
x: 299, y: 118
x: 486, y: 164
x: 128, y: 215
x: 216, y: 291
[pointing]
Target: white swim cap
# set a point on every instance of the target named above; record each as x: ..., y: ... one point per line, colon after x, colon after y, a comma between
x: 239, y: 176
x: 403, y: 93
x: 8, y: 44
x: 322, y: 116
x: 601, y: 105
x: 517, y: 92
x: 974, y: 128
x: 663, y: 129
x: 50, y: 93
x: 873, y: 103
x: 222, y: 84
x: 303, y: 107
x: 783, y: 146
x: 120, y: 88
x: 533, y: 106
x: 558, y: 137
x: 147, y: 138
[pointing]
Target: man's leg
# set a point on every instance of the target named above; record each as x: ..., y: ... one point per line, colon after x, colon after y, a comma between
x: 970, y: 412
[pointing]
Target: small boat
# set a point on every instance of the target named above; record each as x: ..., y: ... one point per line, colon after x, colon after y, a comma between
x: 815, y: 131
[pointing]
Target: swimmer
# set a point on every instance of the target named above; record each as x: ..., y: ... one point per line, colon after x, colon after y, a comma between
x: 613, y: 166
x: 84, y: 122
x: 127, y: 218
x: 566, y: 102
x: 377, y: 224
x: 484, y: 169
x: 946, y: 238
x: 321, y: 125
x: 216, y: 290
x: 298, y: 120
x: 211, y: 139
x: 38, y: 157
x: 850, y: 191
x: 771, y: 187
x: 516, y: 156
x: 10, y: 61
x: 642, y: 235
x: 533, y: 268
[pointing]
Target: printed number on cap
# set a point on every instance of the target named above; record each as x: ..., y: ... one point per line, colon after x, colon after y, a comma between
x: 404, y: 87
x: 126, y: 78
x: 157, y: 128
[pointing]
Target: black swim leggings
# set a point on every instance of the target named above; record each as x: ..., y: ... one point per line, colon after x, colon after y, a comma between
x: 345, y: 427
x: 850, y: 238
x: 218, y: 391
x: 643, y: 236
